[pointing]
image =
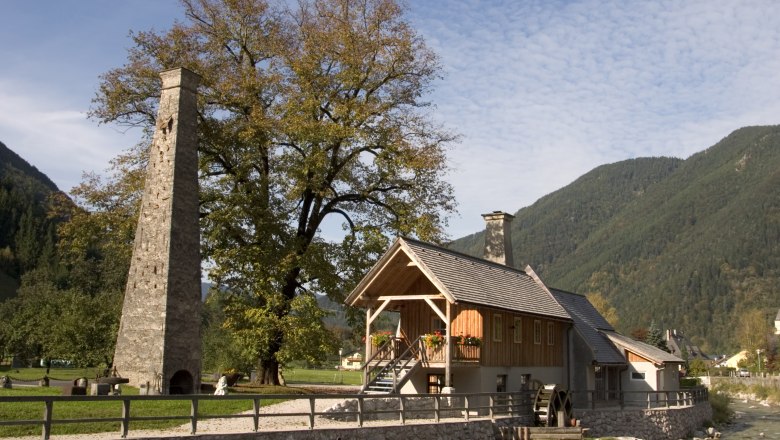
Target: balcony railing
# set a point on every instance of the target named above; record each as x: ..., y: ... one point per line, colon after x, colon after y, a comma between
x: 393, y: 348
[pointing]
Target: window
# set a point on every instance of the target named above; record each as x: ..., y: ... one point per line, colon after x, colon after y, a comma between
x: 438, y: 325
x: 501, y: 383
x: 636, y: 375
x: 435, y: 383
x: 518, y: 331
x: 550, y: 333
x: 498, y: 327
x: 537, y: 332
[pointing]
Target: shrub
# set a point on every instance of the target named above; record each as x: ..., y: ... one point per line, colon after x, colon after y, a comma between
x: 721, y: 411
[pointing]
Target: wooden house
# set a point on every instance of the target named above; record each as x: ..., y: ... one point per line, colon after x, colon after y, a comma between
x: 490, y: 326
x: 478, y: 324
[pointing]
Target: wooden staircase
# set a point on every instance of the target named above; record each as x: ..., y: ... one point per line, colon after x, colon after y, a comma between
x: 387, y: 376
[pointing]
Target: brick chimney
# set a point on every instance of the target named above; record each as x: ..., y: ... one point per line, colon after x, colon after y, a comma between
x: 498, y: 238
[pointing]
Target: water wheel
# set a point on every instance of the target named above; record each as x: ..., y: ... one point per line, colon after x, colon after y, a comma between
x: 549, y: 401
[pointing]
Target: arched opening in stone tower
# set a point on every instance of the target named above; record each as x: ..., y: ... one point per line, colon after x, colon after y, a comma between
x: 181, y: 383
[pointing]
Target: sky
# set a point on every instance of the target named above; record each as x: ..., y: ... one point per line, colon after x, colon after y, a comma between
x: 541, y: 92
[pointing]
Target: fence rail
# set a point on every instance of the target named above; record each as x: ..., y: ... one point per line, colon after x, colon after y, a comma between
x: 433, y: 407
x: 467, y: 406
x: 642, y: 399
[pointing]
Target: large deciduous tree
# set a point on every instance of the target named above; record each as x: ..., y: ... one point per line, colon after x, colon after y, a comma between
x: 307, y: 113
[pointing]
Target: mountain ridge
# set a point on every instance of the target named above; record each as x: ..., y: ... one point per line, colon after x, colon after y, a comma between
x: 691, y: 244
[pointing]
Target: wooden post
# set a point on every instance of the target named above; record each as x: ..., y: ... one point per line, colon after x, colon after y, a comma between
x: 402, y: 408
x: 311, y: 412
x: 194, y: 415
x: 436, y: 407
x: 368, y: 346
x: 360, y: 411
x: 256, y: 413
x: 448, y: 349
x: 125, y: 425
x: 47, y: 410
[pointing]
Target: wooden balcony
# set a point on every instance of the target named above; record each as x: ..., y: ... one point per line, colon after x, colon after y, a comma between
x: 461, y: 354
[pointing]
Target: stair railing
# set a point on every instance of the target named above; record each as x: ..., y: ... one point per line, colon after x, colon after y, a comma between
x: 411, y: 353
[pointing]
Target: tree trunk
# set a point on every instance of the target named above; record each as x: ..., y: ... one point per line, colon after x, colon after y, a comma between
x: 268, y: 373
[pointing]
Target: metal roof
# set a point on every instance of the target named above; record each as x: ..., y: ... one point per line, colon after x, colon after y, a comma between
x: 588, y: 322
x: 647, y: 351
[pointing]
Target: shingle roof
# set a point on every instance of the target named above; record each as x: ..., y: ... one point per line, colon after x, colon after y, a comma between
x: 479, y: 281
x: 647, y: 351
x: 588, y: 322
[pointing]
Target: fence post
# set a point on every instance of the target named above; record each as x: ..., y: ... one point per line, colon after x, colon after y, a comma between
x: 466, y: 407
x: 194, y: 415
x: 256, y: 413
x: 436, y: 407
x: 490, y: 406
x: 360, y: 411
x: 47, y: 410
x: 311, y: 412
x: 401, y: 409
x: 125, y: 426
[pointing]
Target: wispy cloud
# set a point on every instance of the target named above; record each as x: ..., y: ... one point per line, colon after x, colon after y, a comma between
x: 541, y: 90
x: 54, y: 137
x: 545, y: 91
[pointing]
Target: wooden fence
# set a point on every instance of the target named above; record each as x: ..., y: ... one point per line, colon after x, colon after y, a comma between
x: 468, y: 406
x: 641, y: 399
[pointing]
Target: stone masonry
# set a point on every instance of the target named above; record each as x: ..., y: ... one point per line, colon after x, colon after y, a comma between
x: 158, y: 345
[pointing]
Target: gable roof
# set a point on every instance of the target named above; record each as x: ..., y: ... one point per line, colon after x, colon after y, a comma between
x: 463, y: 278
x: 587, y: 322
x: 647, y: 351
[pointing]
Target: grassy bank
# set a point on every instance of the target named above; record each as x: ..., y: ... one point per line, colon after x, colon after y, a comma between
x: 758, y: 391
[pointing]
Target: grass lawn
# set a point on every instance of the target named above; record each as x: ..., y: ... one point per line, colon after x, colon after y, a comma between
x: 77, y: 410
x: 329, y: 377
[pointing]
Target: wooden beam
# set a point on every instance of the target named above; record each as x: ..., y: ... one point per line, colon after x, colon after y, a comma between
x: 436, y: 309
x: 410, y: 297
x: 372, y: 317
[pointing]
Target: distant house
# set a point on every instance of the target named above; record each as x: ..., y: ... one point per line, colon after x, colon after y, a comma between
x: 352, y: 362
x: 477, y: 325
x: 733, y: 361
x: 680, y: 346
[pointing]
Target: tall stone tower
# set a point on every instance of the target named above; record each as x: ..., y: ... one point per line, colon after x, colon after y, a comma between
x: 158, y: 345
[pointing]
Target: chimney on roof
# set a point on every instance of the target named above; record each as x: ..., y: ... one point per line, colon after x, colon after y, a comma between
x: 498, y: 238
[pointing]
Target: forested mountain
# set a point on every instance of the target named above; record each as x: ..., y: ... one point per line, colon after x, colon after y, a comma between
x: 692, y: 244
x: 27, y: 232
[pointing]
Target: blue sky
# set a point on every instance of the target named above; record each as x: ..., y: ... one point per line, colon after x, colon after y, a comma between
x: 541, y: 91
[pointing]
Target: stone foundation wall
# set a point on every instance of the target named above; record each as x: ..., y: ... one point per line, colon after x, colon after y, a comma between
x: 473, y: 430
x: 414, y: 408
x: 648, y: 424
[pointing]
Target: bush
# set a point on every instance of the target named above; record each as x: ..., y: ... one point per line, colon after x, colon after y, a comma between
x: 721, y: 411
x: 689, y: 382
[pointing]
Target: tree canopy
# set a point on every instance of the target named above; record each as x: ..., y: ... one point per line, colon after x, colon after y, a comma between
x: 307, y: 113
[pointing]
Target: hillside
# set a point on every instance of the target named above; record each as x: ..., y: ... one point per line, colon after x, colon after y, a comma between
x: 690, y: 243
x: 26, y: 231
